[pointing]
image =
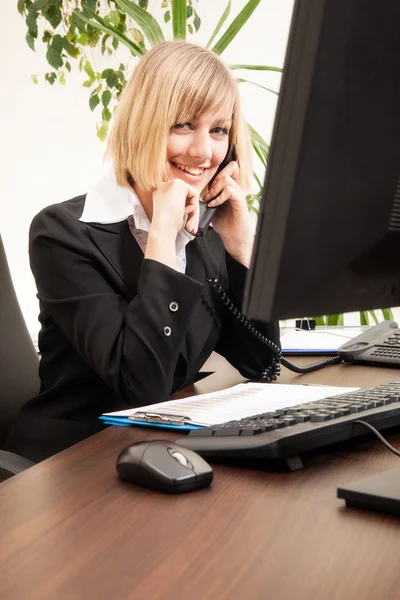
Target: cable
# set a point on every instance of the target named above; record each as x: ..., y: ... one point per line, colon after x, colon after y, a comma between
x: 272, y: 372
x: 378, y: 435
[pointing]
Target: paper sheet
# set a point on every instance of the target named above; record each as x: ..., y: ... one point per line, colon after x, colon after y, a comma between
x: 240, y: 401
x: 318, y: 340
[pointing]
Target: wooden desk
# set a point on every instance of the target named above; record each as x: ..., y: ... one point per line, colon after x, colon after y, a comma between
x: 69, y: 529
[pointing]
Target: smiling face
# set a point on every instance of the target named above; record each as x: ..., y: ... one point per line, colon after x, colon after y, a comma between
x: 196, y: 149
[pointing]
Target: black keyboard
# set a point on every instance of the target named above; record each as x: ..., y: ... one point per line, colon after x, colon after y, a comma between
x: 290, y: 432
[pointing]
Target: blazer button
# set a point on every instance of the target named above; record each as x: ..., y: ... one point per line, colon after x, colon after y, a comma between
x: 167, y: 331
x: 173, y: 307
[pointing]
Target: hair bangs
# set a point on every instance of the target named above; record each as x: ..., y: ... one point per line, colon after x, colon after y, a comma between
x: 208, y: 90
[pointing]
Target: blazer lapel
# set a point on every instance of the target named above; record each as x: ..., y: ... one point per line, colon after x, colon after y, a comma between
x: 117, y: 244
x: 202, y: 317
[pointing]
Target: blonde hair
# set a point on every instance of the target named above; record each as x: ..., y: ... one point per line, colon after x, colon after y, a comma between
x: 172, y: 83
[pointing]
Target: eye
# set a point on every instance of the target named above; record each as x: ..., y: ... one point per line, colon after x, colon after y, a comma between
x: 182, y: 126
x: 220, y: 130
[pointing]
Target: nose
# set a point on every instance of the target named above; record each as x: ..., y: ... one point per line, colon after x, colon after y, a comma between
x: 200, y: 146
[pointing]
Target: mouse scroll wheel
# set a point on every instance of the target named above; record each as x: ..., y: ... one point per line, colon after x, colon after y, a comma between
x: 180, y: 458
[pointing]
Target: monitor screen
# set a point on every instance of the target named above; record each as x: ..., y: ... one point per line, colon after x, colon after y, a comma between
x: 328, y: 233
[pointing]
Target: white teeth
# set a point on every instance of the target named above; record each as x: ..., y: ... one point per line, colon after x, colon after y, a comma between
x: 191, y: 170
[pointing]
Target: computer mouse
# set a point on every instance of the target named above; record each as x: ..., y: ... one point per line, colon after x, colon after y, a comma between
x: 162, y: 465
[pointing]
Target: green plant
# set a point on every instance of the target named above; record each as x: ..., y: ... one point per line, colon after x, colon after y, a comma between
x: 72, y: 29
x: 365, y: 315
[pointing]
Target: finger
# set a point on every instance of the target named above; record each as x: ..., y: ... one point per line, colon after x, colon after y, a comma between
x: 192, y: 208
x: 231, y: 170
x: 218, y: 186
x: 222, y: 197
x: 192, y: 217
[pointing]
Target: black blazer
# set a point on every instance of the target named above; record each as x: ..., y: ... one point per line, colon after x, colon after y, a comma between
x: 121, y: 331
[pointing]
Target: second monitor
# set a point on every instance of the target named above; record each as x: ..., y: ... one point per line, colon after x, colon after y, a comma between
x: 328, y: 235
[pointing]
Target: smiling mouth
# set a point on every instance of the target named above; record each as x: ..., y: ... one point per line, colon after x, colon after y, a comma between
x: 197, y: 171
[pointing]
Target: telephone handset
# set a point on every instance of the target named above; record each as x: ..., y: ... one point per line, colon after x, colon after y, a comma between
x: 207, y: 212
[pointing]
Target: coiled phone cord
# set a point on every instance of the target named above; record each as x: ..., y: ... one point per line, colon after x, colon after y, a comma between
x: 272, y: 372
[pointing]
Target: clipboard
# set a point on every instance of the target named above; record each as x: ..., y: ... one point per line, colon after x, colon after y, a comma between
x: 240, y: 401
x: 148, y: 419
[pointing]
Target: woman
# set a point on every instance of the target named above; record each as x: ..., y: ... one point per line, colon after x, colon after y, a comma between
x: 127, y: 316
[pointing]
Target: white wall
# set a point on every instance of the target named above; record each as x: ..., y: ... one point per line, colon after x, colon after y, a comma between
x: 49, y: 151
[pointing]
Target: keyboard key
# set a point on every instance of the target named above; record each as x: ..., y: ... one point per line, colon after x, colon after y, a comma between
x: 202, y: 432
x: 227, y: 431
x: 319, y: 417
x: 301, y: 418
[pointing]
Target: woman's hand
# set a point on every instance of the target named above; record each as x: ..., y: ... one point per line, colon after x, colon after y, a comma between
x: 232, y: 220
x: 172, y: 201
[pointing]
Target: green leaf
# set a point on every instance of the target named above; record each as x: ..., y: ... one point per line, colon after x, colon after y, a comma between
x: 256, y: 68
x: 179, y: 19
x: 50, y: 77
x: 222, y: 20
x: 30, y: 41
x: 196, y: 21
x: 57, y: 43
x: 260, y: 154
x: 387, y: 314
x: 31, y: 23
x: 38, y: 4
x: 256, y: 137
x: 333, y: 320
x: 62, y: 79
x: 89, y: 70
x: 47, y: 35
x: 190, y: 28
x: 115, y: 33
x: 94, y: 100
x: 114, y: 18
x: 167, y: 16
x: 257, y: 84
x: 115, y: 43
x: 319, y: 321
x: 91, y: 4
x: 373, y: 315
x: 110, y: 76
x: 145, y: 20
x: 73, y: 51
x: 364, y: 318
x: 106, y: 114
x: 236, y: 26
x: 54, y: 58
x: 34, y: 79
x: 137, y: 35
x: 105, y: 98
x: 82, y: 39
x: 102, y: 131
x: 21, y: 6
x: 88, y: 83
x: 189, y: 11
x: 257, y: 180
x: 68, y: 66
x: 53, y: 15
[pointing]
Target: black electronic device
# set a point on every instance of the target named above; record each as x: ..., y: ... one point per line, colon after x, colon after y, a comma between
x: 378, y: 346
x: 379, y: 492
x: 206, y: 212
x: 288, y: 433
x: 161, y: 465
x: 328, y: 234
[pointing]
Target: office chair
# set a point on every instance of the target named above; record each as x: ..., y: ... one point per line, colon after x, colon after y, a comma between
x: 19, y: 378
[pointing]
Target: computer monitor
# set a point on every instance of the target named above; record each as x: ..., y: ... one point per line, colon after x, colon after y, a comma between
x: 328, y: 233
